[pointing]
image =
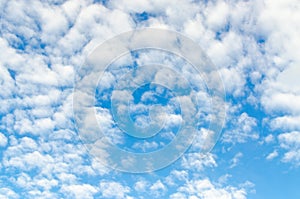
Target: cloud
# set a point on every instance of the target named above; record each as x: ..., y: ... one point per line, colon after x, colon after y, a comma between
x: 3, y: 140
x: 253, y: 43
x: 291, y: 142
x: 141, y: 186
x: 269, y: 138
x: 177, y: 177
x: 279, y: 91
x: 235, y: 160
x: 198, y: 161
x: 282, y: 102
x: 158, y: 189
x: 204, y: 188
x: 145, y: 145
x: 79, y: 191
x: 272, y: 155
x: 240, y: 129
x: 8, y: 193
x: 113, y: 190
x: 233, y: 81
x: 286, y: 122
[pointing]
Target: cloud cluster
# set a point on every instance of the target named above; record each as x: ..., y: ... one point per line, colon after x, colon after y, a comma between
x: 280, y: 89
x: 254, y: 43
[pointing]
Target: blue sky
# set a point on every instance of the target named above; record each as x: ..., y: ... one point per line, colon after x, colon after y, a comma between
x: 254, y: 46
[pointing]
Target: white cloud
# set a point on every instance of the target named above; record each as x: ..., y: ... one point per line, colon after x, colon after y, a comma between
x: 111, y: 189
x: 282, y: 102
x: 272, y: 155
x: 290, y: 142
x: 7, y: 83
x: 79, y: 191
x: 269, y: 138
x: 178, y: 195
x: 233, y: 81
x: 286, y: 122
x: 235, y: 160
x: 158, y: 189
x: 240, y: 129
x: 279, y: 24
x: 176, y: 177
x: 3, y: 140
x: 42, y: 106
x: 204, y: 140
x: 53, y: 23
x: 224, y: 179
x: 141, y: 186
x: 7, y: 193
x: 28, y: 161
x: 288, y: 80
x: 198, y: 161
x: 280, y: 94
x: 204, y: 188
x: 290, y: 139
x: 217, y: 15
x: 144, y: 146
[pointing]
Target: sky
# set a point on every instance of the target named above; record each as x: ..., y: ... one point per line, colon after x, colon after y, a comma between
x: 221, y: 81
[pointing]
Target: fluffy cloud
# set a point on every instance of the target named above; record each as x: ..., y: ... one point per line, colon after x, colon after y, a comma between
x: 198, y: 161
x: 240, y: 129
x: 158, y: 189
x: 206, y: 189
x: 280, y: 91
x: 141, y: 186
x: 8, y: 193
x: 79, y: 191
x: 3, y: 140
x: 254, y: 44
x: 113, y: 190
x: 272, y: 155
x: 235, y: 160
x: 290, y: 142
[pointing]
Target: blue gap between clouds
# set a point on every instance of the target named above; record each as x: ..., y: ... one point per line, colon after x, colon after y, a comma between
x: 20, y: 43
x: 140, y: 17
x: 226, y: 28
x: 103, y: 2
x: 12, y: 73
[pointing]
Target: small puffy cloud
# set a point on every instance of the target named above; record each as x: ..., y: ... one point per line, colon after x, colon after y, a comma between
x: 204, y: 140
x: 141, y: 186
x: 291, y: 143
x: 233, y: 81
x: 272, y: 155
x: 282, y: 102
x: 79, y: 191
x: 241, y: 129
x: 288, y: 140
x: 8, y: 193
x: 179, y: 175
x: 286, y: 122
x: 224, y: 178
x: 198, y: 161
x: 3, y: 140
x: 269, y: 138
x: 111, y: 189
x: 178, y: 195
x: 144, y: 146
x: 205, y: 189
x: 176, y: 177
x: 217, y: 15
x: 236, y: 159
x: 158, y: 189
